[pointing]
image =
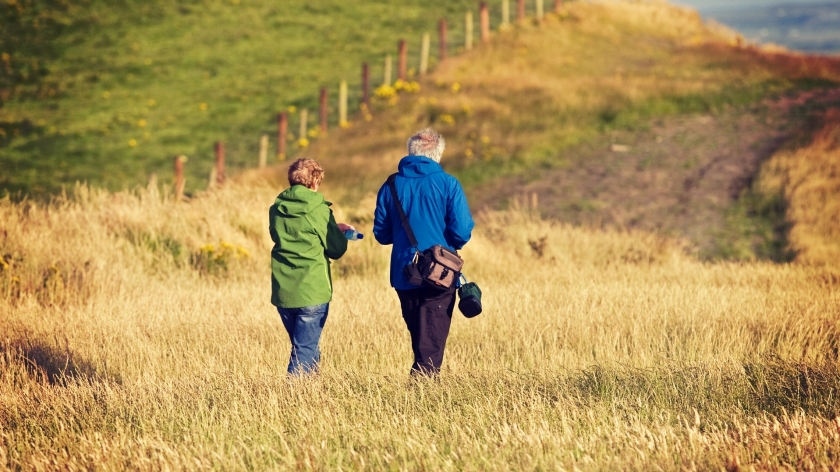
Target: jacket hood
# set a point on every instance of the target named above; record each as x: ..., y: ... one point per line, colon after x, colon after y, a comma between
x: 298, y: 200
x: 418, y: 166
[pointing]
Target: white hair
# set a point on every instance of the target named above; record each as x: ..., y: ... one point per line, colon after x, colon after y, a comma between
x: 427, y: 142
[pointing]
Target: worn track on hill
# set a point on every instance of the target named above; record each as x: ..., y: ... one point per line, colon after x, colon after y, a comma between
x: 678, y: 178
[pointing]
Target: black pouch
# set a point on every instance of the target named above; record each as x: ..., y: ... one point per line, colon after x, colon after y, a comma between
x: 470, y: 299
x: 411, y: 271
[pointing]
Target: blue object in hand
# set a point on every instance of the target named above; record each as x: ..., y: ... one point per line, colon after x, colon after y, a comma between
x: 353, y: 235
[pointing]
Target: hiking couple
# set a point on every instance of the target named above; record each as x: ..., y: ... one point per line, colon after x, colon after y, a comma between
x: 306, y: 236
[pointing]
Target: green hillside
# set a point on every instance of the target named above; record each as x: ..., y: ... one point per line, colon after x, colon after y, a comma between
x: 108, y: 92
x: 634, y: 115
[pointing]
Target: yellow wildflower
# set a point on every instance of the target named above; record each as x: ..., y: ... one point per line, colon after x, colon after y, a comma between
x: 385, y: 91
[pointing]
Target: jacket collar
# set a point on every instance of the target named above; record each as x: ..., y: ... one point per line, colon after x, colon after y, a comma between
x: 418, y: 166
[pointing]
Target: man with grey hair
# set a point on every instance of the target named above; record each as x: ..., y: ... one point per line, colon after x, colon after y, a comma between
x: 437, y: 212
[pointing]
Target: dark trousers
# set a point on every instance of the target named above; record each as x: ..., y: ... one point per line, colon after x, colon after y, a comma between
x: 427, y: 313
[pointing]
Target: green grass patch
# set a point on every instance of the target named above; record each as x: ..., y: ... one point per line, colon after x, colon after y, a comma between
x: 109, y: 92
x: 755, y: 228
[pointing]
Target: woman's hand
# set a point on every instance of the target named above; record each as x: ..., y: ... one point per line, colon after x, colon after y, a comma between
x: 344, y: 227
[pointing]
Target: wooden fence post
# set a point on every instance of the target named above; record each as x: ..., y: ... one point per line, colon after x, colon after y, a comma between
x: 323, y: 110
x: 387, y: 75
x: 424, y: 54
x: 468, y: 26
x: 520, y: 10
x: 558, y: 4
x: 180, y: 182
x: 484, y: 18
x: 540, y: 9
x: 263, y: 151
x: 220, y: 162
x: 282, y: 129
x: 342, y: 104
x: 304, y: 121
x: 403, y: 60
x: 505, y: 13
x: 366, y: 84
x: 441, y: 40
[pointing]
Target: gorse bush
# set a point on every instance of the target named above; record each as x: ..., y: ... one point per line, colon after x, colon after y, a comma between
x: 217, y: 259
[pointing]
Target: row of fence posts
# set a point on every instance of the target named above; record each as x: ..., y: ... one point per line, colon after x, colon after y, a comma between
x: 217, y: 174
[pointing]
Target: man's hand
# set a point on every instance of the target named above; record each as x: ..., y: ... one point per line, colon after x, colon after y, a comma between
x: 344, y: 227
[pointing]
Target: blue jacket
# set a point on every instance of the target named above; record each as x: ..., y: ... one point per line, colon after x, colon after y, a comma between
x: 437, y: 211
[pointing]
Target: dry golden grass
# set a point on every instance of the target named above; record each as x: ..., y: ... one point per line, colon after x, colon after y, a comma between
x: 597, y: 350
x: 809, y: 179
x: 136, y: 332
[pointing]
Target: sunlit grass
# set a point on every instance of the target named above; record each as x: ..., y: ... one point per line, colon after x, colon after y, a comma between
x: 596, y: 350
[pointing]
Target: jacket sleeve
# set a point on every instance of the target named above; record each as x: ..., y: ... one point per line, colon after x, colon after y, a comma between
x: 459, y: 222
x: 336, y: 241
x: 382, y: 230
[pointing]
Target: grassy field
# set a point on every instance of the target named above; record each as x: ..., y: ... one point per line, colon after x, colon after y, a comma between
x: 137, y: 334
x: 136, y: 331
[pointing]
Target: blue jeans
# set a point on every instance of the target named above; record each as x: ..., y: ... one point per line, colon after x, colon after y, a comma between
x: 304, y: 326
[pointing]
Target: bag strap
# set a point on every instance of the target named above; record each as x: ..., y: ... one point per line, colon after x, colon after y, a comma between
x: 403, y: 217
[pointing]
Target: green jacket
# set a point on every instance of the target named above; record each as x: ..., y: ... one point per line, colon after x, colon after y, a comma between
x: 305, y: 237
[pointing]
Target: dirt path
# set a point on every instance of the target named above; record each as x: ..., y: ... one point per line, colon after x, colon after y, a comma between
x: 678, y: 178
